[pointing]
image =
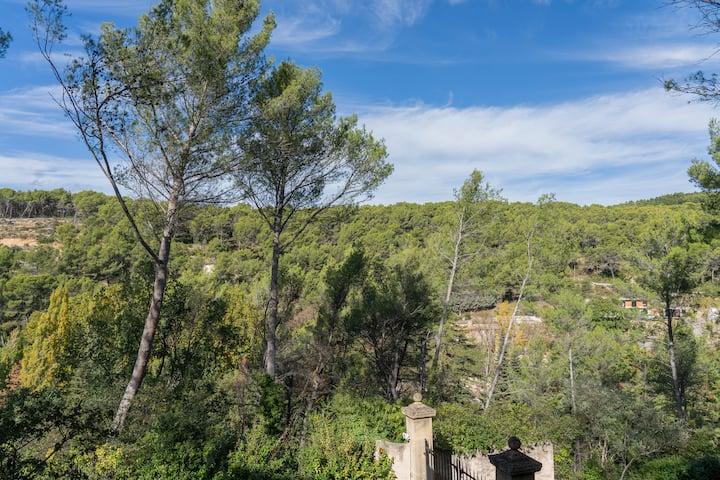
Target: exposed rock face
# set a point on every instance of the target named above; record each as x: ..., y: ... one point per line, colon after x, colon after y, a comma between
x: 705, y: 321
x: 528, y: 320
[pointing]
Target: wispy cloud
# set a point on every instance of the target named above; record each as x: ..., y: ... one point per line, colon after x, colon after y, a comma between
x: 404, y: 12
x: 661, y: 56
x: 603, y: 149
x: 35, y: 58
x: 32, y: 112
x: 642, y: 140
x: 297, y: 31
x: 663, y: 38
x: 319, y: 26
x: 30, y: 170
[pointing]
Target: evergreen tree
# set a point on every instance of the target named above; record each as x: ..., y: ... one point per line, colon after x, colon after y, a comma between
x: 5, y: 39
x: 166, y: 96
x: 296, y: 160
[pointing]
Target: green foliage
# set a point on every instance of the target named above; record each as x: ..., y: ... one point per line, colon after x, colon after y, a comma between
x: 467, y: 429
x: 342, y: 438
x: 394, y: 313
x: 34, y: 203
x: 257, y: 457
x: 353, y: 292
x: 28, y: 419
x: 5, y: 39
x: 354, y: 304
x: 706, y: 175
x: 272, y: 404
x: 25, y: 293
x: 686, y: 353
x: 51, y: 338
x: 672, y: 467
x: 672, y: 274
x: 607, y: 312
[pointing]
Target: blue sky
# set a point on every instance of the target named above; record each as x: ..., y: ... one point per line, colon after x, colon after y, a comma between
x: 558, y: 96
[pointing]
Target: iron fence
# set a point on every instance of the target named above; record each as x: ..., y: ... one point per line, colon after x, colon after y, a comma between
x: 446, y: 466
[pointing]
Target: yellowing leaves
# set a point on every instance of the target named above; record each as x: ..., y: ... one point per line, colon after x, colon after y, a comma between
x: 504, y: 313
x: 243, y: 322
x: 54, y: 340
x: 51, y: 337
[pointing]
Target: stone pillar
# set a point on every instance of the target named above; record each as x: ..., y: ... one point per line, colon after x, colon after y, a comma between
x: 418, y: 423
x: 513, y: 464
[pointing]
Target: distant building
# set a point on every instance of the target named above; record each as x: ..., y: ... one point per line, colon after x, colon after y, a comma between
x: 639, y: 303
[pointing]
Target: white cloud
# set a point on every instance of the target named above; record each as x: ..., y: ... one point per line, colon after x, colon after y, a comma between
x: 601, y: 149
x: 317, y: 26
x: 30, y: 170
x: 405, y: 12
x: 32, y: 112
x: 296, y: 31
x: 658, y: 56
x: 60, y: 59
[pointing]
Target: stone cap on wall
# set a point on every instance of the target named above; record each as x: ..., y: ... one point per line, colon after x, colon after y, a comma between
x: 513, y: 461
x: 417, y: 409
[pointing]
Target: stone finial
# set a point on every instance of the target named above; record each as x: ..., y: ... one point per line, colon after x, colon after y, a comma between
x: 417, y: 409
x: 513, y: 463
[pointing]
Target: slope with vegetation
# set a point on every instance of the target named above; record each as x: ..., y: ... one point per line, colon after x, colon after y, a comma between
x: 359, y: 302
x: 276, y: 338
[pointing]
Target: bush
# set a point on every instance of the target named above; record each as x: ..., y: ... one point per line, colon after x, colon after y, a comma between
x: 341, y: 440
x: 466, y: 429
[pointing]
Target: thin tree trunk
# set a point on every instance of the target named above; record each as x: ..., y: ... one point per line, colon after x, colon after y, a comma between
x: 393, y: 379
x: 422, y: 364
x: 573, y: 405
x: 573, y: 409
x: 271, y: 322
x: 315, y: 380
x: 626, y: 468
x: 151, y: 321
x: 677, y: 391
x: 448, y: 293
x: 506, y: 338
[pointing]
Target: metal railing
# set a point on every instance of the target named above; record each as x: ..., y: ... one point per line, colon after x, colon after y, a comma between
x: 446, y: 466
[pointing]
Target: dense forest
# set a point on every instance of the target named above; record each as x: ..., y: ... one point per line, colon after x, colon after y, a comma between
x: 360, y: 301
x: 235, y: 308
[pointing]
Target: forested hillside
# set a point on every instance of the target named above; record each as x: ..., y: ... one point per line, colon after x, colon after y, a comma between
x: 360, y: 302
x: 237, y: 308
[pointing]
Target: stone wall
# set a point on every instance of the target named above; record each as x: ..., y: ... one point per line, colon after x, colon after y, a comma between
x: 412, y: 460
x: 399, y: 453
x: 543, y: 453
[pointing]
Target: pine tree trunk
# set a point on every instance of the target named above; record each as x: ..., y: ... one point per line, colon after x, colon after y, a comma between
x: 677, y: 391
x: 151, y: 321
x: 393, y: 379
x: 448, y: 294
x: 422, y: 364
x: 271, y: 322
x: 573, y: 404
x: 506, y: 337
